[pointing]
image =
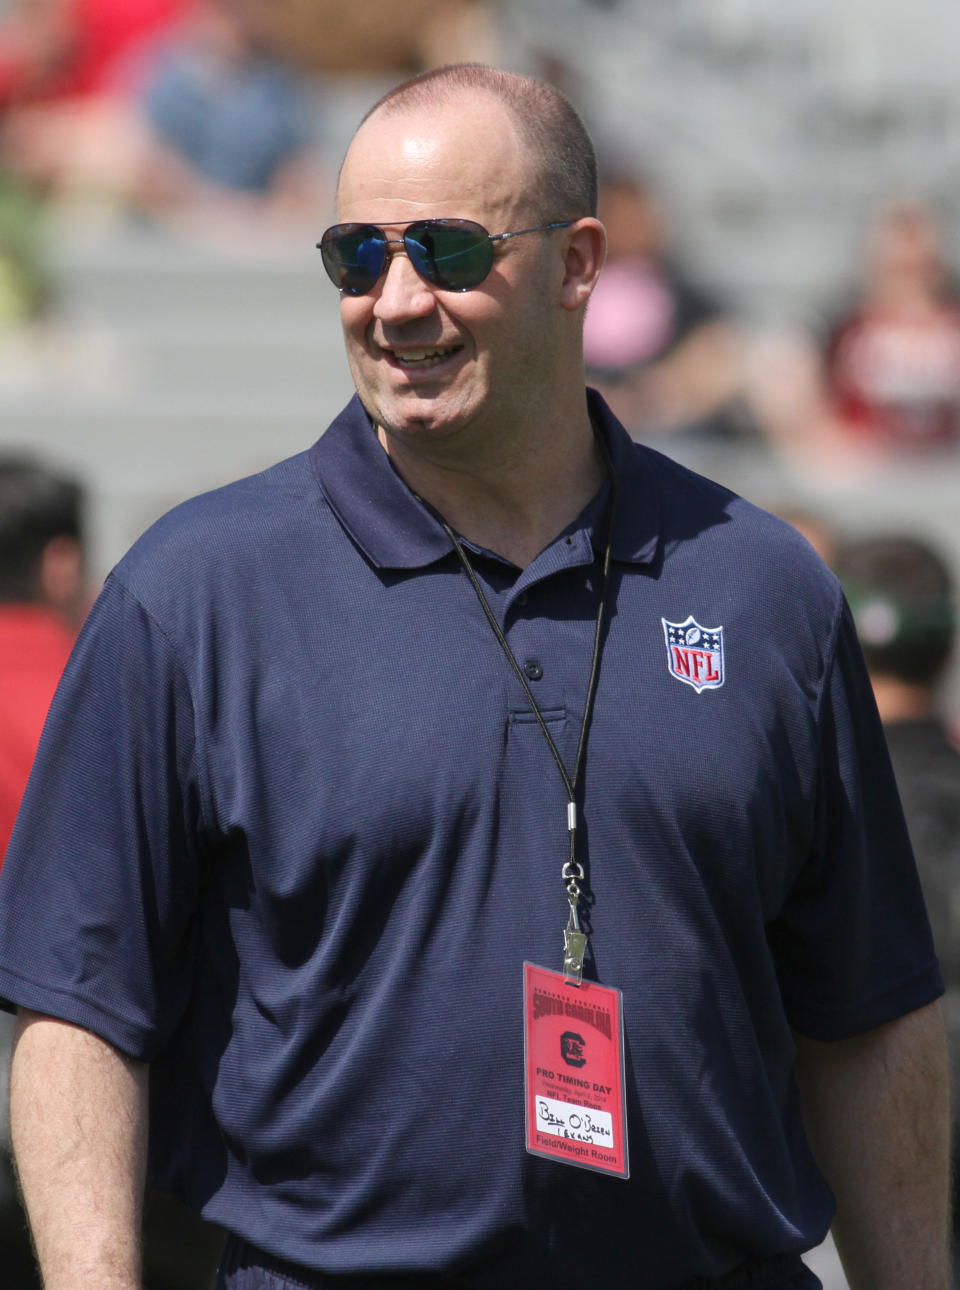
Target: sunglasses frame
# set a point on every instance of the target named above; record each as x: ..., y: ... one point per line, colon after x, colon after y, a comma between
x: 411, y: 231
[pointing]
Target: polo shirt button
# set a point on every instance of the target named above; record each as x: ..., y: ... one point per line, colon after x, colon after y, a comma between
x: 533, y: 669
x: 522, y: 598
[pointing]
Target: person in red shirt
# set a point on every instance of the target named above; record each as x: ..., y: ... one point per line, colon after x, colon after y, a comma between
x: 42, y: 600
x: 78, y: 49
x: 44, y: 596
x: 70, y: 71
x: 892, y: 361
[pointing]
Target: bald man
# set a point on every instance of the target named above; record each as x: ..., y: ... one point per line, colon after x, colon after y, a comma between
x: 478, y: 826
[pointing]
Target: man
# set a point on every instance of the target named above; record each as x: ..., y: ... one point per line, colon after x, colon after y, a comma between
x: 331, y: 775
x: 902, y: 596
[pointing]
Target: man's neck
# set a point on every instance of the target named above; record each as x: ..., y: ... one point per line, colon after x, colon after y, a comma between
x: 514, y: 505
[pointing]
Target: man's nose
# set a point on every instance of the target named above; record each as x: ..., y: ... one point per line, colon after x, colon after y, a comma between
x: 403, y: 294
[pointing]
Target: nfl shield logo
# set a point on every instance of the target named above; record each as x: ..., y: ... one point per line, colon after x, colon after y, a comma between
x: 694, y: 653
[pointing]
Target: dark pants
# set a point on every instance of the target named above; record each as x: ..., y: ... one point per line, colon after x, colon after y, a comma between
x: 244, y: 1268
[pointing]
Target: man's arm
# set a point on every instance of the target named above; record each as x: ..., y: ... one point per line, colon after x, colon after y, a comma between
x: 876, y: 1107
x: 78, y: 1112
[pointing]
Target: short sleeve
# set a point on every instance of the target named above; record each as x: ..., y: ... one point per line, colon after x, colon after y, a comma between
x: 852, y: 944
x: 100, y: 889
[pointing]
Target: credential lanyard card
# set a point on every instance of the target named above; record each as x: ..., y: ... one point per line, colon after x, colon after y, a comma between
x: 574, y: 1076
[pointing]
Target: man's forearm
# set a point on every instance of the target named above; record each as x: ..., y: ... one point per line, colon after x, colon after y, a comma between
x: 877, y: 1113
x: 78, y: 1113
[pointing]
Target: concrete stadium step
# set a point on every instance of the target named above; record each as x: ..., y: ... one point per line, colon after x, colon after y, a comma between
x: 138, y: 461
x: 134, y: 276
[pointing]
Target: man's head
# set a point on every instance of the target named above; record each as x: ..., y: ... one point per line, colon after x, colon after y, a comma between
x: 563, y: 180
x: 901, y: 595
x: 41, y: 553
x: 506, y: 153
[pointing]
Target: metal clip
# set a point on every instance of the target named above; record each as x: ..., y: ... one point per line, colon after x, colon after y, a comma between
x: 574, y: 947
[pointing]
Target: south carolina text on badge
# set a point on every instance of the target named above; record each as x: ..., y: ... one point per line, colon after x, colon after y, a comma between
x: 695, y: 653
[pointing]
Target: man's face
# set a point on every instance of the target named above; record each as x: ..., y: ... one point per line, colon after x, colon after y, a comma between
x: 435, y: 364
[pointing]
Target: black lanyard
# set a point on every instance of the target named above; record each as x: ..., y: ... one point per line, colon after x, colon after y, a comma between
x: 572, y: 874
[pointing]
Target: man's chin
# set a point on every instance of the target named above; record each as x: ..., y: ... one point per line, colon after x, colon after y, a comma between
x: 416, y: 420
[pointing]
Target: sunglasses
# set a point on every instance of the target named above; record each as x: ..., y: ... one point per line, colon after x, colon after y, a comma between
x: 454, y: 254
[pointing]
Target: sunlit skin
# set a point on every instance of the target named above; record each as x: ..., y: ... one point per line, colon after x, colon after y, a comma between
x: 479, y: 395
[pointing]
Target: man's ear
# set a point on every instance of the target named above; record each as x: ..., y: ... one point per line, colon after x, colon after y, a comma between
x: 585, y: 246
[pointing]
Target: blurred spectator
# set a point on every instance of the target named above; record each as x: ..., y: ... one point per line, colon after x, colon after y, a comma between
x: 659, y: 347
x: 902, y: 597
x: 885, y: 382
x: 903, y: 601
x: 75, y: 49
x: 892, y: 362
x: 68, y: 70
x: 41, y: 595
x: 34, y: 40
x: 229, y: 126
x: 43, y: 598
x: 366, y: 39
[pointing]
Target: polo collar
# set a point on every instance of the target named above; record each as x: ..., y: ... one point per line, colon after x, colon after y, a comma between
x: 396, y: 531
x: 636, y: 536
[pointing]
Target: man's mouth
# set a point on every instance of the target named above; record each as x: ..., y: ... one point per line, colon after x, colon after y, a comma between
x: 422, y: 358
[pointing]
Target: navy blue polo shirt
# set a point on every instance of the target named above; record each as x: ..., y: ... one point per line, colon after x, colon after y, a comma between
x: 293, y: 830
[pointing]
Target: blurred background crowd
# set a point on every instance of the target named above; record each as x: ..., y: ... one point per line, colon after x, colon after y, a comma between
x: 780, y: 308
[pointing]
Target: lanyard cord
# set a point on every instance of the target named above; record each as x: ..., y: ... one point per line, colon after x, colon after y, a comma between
x: 572, y: 872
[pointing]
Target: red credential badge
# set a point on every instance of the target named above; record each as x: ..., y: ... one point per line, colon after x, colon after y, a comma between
x: 574, y: 1078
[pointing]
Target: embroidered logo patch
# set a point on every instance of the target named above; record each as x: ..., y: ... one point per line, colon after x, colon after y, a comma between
x: 695, y: 653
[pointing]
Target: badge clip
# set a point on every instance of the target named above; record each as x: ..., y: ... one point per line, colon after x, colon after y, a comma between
x: 574, y: 948
x: 574, y: 940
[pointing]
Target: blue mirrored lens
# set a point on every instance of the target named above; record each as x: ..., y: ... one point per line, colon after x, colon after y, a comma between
x: 453, y: 254
x: 353, y: 256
